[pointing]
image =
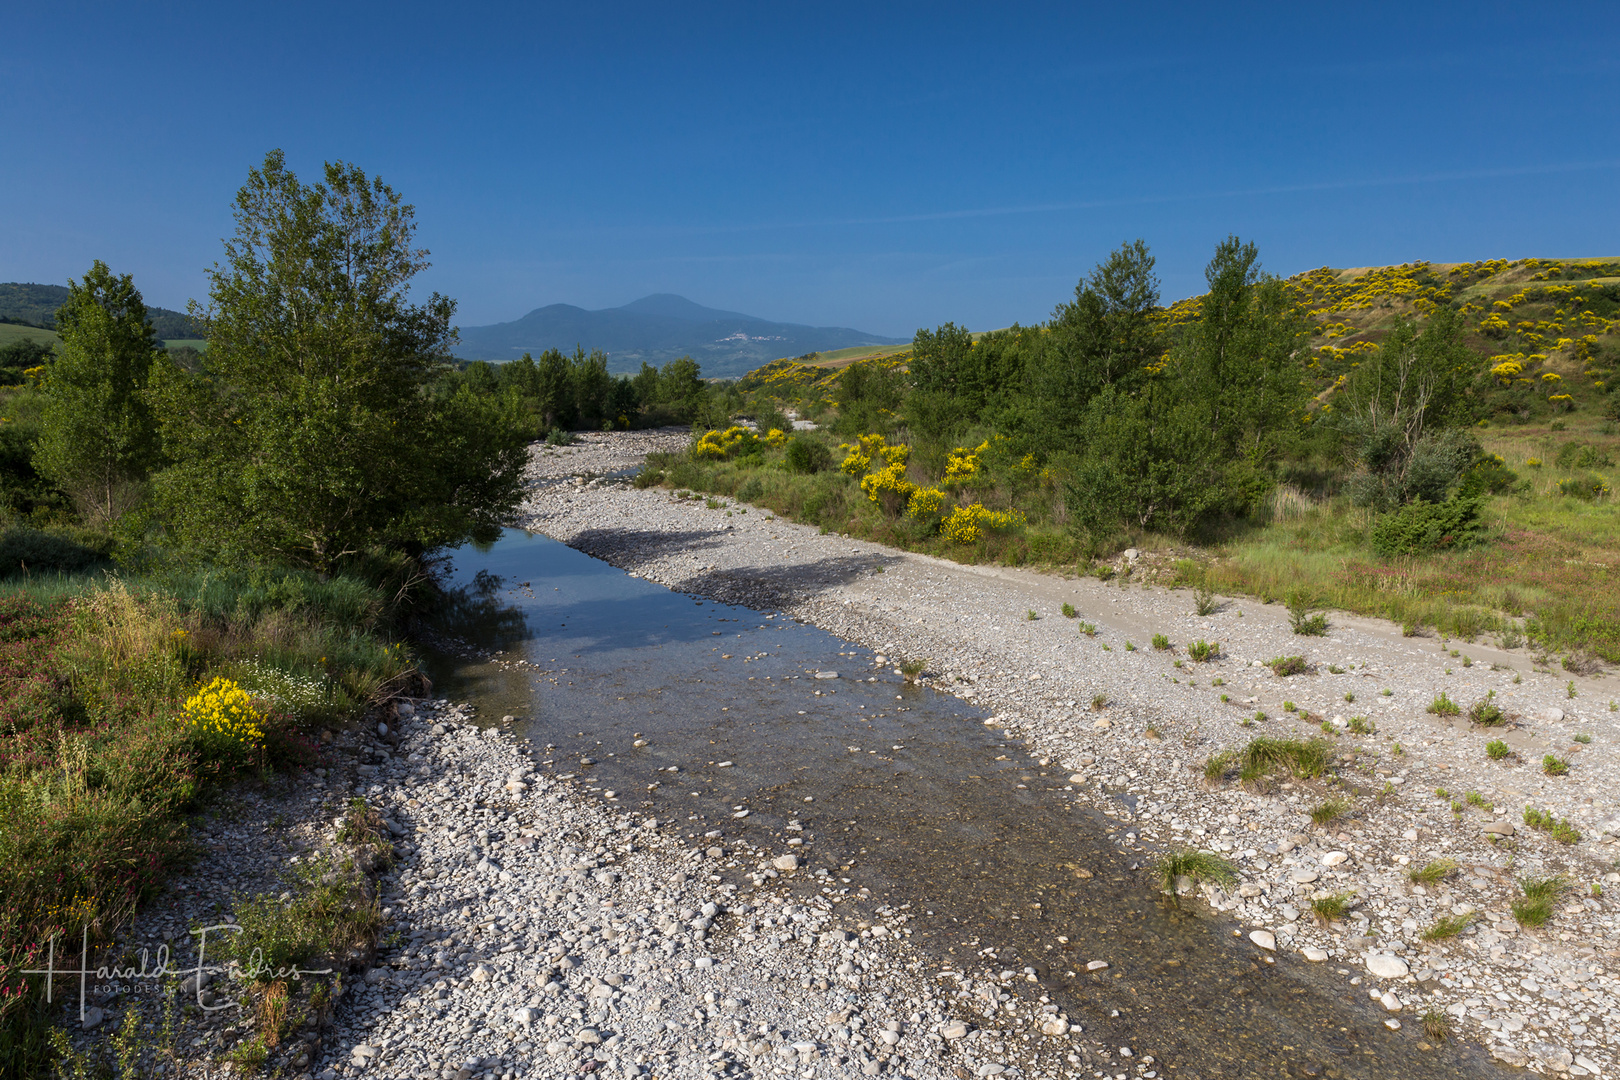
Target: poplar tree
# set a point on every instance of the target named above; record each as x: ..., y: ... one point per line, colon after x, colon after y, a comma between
x: 98, y: 441
x: 310, y: 435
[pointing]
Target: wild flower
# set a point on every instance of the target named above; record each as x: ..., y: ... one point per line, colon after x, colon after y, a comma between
x: 222, y: 716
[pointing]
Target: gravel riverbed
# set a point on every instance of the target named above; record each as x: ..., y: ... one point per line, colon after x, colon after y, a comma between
x: 1542, y: 997
x: 535, y: 929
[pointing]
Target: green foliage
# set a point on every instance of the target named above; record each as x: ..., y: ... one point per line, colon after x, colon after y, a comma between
x: 1553, y: 765
x: 1287, y: 665
x: 1197, y: 865
x: 1328, y: 810
x: 98, y: 439
x: 1447, y: 926
x: 1497, y: 750
x: 1068, y: 611
x: 1421, y: 527
x: 1161, y: 643
x: 1432, y: 873
x: 806, y: 454
x: 1262, y: 756
x: 1484, y: 712
x: 1204, y: 651
x: 1303, y: 619
x: 318, y: 459
x: 1444, y: 706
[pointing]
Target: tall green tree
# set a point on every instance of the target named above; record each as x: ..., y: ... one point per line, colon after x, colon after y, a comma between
x: 98, y: 440
x: 311, y: 435
x: 1104, y: 337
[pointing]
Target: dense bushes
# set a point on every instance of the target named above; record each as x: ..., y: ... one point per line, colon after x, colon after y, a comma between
x: 1421, y: 527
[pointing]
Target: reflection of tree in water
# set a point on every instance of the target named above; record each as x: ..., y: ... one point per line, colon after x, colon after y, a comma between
x: 475, y: 614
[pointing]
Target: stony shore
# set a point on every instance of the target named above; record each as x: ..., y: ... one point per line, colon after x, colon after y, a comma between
x: 1543, y: 997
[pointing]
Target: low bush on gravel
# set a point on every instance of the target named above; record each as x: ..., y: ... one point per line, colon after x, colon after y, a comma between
x: 1432, y: 873
x: 1548, y: 822
x: 1197, y: 865
x: 1484, y: 712
x: 1497, y: 750
x: 1444, y: 706
x: 1303, y: 618
x: 1437, y: 1024
x: 1161, y: 643
x: 1204, y: 651
x: 1285, y: 666
x: 1069, y: 612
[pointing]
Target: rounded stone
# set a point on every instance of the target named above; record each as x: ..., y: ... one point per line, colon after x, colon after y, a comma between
x: 1386, y: 966
x: 1265, y: 939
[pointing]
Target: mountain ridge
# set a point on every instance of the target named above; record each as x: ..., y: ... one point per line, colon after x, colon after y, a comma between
x: 656, y: 329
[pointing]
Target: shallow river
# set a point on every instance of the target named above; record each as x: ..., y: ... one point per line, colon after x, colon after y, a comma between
x: 904, y: 796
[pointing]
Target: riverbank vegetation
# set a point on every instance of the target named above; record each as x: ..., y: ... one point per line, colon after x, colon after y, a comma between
x: 206, y: 557
x: 1431, y: 444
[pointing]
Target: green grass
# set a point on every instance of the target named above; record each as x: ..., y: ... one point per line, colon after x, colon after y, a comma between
x: 1197, y: 865
x: 1264, y: 756
x: 1436, y: 1024
x: 1432, y: 873
x: 10, y: 332
x: 1329, y: 810
x: 1538, y: 895
x: 1497, y: 750
x: 1328, y: 908
x: 102, y: 770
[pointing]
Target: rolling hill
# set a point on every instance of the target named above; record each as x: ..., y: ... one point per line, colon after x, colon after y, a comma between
x: 657, y: 329
x: 31, y: 304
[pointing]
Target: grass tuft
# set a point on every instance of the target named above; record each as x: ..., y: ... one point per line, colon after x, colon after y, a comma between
x: 1447, y: 927
x: 1329, y: 809
x: 1432, y: 873
x: 1437, y: 1024
x: 1197, y: 865
x: 1534, y: 907
x: 1287, y: 665
x: 1328, y: 908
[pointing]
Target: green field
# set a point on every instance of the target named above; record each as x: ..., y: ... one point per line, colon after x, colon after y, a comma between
x: 10, y: 332
x: 838, y: 358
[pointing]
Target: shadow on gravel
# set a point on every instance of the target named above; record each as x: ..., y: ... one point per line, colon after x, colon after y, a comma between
x: 755, y: 585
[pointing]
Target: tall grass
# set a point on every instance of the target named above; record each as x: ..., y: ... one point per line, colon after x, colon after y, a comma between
x: 97, y: 766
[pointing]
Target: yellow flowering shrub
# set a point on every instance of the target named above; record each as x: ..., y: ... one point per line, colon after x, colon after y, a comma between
x: 962, y: 463
x: 1551, y: 377
x: 222, y: 718
x: 719, y: 445
x: 1507, y: 368
x: 889, y: 486
x: 925, y: 502
x: 969, y: 524
x: 869, y: 448
x: 775, y: 438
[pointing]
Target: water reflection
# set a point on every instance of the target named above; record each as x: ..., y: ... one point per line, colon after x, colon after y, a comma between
x: 901, y: 796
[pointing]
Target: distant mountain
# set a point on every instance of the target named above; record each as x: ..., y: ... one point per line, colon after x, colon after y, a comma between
x: 35, y: 305
x: 658, y: 329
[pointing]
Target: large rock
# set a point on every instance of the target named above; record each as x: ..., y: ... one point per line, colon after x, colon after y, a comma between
x: 1387, y: 966
x: 1265, y: 939
x: 786, y: 862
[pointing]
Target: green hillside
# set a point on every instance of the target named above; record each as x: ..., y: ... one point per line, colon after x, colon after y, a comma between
x: 36, y: 305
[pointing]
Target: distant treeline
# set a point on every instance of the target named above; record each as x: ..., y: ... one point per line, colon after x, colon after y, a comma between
x: 559, y: 393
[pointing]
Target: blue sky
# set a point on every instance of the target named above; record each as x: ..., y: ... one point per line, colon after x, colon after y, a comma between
x: 883, y: 166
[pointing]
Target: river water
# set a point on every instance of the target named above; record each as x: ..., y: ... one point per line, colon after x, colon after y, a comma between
x: 902, y: 795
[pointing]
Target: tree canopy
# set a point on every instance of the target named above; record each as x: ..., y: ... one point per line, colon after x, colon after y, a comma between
x: 310, y: 435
